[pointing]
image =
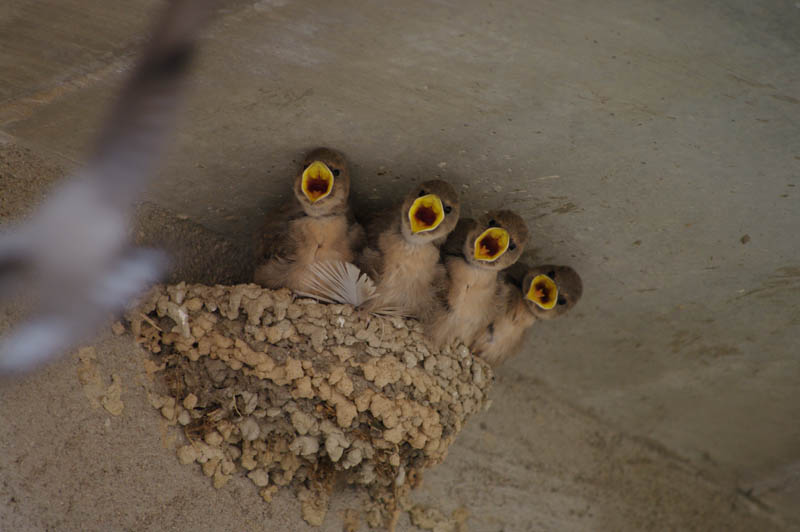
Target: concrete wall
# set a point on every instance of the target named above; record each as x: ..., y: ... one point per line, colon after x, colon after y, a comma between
x: 653, y: 146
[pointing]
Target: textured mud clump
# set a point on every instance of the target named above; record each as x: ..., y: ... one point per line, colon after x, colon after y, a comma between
x: 291, y: 392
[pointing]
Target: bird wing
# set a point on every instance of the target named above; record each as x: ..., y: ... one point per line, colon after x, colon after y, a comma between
x: 74, y: 251
x: 133, y: 138
x: 274, y: 240
x: 371, y: 261
x: 356, y: 235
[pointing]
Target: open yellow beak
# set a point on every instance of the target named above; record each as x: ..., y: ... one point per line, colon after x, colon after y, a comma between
x: 491, y: 244
x: 317, y: 181
x: 426, y: 213
x: 543, y: 292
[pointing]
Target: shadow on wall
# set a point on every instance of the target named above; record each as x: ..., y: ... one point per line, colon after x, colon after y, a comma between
x: 200, y: 255
x: 197, y: 254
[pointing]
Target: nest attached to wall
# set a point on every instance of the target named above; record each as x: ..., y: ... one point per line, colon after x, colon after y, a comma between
x: 295, y: 393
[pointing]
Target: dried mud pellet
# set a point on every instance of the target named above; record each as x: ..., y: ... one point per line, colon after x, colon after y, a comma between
x: 249, y: 429
x: 187, y: 454
x: 259, y: 477
x: 190, y: 401
x: 220, y: 479
x: 213, y: 438
x: 184, y: 418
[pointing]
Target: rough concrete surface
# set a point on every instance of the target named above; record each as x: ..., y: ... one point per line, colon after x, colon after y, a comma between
x: 654, y: 147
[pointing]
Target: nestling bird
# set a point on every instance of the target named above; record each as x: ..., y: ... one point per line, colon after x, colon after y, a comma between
x: 404, y: 256
x: 320, y: 229
x: 545, y: 292
x: 492, y: 243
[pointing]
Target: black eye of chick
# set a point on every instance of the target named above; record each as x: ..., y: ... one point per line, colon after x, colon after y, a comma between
x: 336, y: 172
x: 448, y: 209
x: 562, y: 300
x: 422, y: 193
x: 551, y: 274
x: 512, y: 246
x: 492, y: 223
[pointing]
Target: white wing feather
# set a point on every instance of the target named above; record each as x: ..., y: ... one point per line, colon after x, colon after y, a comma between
x: 344, y: 283
x: 338, y: 282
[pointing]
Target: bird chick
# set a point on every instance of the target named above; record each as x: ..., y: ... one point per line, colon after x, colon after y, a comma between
x: 404, y: 257
x: 492, y: 243
x: 545, y: 292
x: 318, y: 228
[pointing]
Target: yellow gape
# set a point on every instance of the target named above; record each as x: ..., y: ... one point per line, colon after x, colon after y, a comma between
x: 492, y: 243
x: 543, y: 292
x: 426, y: 213
x: 317, y: 181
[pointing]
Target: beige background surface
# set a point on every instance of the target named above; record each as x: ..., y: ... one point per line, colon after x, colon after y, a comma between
x: 641, y: 140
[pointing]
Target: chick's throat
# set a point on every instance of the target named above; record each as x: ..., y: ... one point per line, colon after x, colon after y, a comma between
x: 492, y: 244
x: 543, y: 291
x: 317, y: 181
x: 426, y: 213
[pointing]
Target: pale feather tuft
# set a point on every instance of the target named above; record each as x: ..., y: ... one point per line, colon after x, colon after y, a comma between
x: 338, y: 282
x: 344, y: 283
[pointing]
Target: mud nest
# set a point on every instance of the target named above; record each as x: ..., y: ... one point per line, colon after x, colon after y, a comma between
x: 294, y: 393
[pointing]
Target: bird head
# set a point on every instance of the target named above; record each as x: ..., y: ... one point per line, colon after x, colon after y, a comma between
x: 551, y: 291
x: 496, y: 240
x: 429, y: 212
